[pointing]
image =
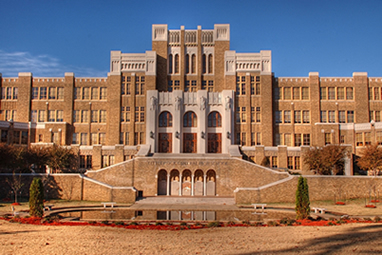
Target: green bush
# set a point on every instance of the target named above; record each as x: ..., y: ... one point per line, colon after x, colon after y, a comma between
x: 377, y: 219
x: 36, y: 198
x: 119, y: 223
x: 213, y: 224
x: 302, y: 199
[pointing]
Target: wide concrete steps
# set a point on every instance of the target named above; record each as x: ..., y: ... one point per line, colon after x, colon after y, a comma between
x: 187, y: 200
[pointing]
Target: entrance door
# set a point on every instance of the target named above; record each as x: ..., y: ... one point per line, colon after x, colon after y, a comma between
x: 215, y: 143
x: 165, y: 143
x: 162, y: 182
x: 189, y: 142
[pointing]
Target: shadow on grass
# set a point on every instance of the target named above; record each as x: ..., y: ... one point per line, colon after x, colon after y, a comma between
x: 18, y: 232
x: 361, y: 239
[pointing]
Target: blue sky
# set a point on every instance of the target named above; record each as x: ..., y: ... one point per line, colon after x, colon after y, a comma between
x: 49, y: 38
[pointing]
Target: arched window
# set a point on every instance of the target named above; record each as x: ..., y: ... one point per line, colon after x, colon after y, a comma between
x: 170, y: 63
x: 193, y: 64
x: 165, y: 119
x: 176, y: 63
x: 204, y: 63
x: 210, y: 64
x: 187, y: 63
x: 189, y: 119
x: 214, y: 119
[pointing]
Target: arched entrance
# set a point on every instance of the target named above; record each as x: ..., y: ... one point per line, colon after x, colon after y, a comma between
x: 174, y: 187
x: 211, y: 183
x: 162, y: 182
x: 186, y: 183
x: 198, y: 183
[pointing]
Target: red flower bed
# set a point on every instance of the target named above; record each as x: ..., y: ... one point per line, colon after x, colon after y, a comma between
x: 340, y: 203
x: 370, y: 206
x: 374, y: 201
x: 15, y: 203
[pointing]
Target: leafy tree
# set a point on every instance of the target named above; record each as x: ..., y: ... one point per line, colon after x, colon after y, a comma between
x: 37, y: 157
x: 302, y: 199
x: 371, y: 159
x: 61, y: 159
x: 329, y: 160
x: 265, y: 162
x: 36, y: 198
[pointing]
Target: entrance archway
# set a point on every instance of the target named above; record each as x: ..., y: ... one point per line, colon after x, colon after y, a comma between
x: 175, y: 185
x: 162, y: 182
x: 211, y: 183
x: 186, y: 183
x: 198, y: 183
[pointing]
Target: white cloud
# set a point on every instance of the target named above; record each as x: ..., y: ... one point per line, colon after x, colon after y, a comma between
x: 11, y: 63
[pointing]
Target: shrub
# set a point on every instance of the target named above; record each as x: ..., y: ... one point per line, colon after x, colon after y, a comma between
x: 106, y: 222
x: 158, y: 223
x: 272, y: 223
x: 119, y: 223
x: 213, y: 224
x: 133, y: 223
x: 183, y: 223
x: 36, y: 198
x: 377, y: 219
x: 302, y: 199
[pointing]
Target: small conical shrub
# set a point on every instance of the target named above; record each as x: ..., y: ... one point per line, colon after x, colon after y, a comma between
x: 36, y: 198
x: 302, y: 199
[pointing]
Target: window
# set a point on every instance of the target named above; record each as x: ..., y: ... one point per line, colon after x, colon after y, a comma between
x: 287, y: 117
x: 274, y: 161
x: 142, y: 114
x: 77, y: 93
x: 277, y: 139
x: 16, y: 137
x: 176, y: 85
x: 34, y: 93
x: 210, y: 63
x: 332, y: 116
x: 76, y: 116
x: 52, y: 93
x: 341, y: 117
x: 125, y: 114
x: 305, y: 117
x: 94, y: 138
x: 102, y: 116
x: 141, y: 138
x: 9, y: 93
x: 323, y: 93
x: 305, y: 93
x: 214, y: 119
x: 328, y: 138
x: 33, y: 116
x: 297, y: 161
x: 306, y: 139
x: 258, y: 114
x: 24, y: 137
x: 349, y: 93
x: 297, y: 116
x: 323, y: 117
x: 189, y: 119
x: 331, y: 93
x: 52, y: 116
x: 290, y: 162
x: 287, y: 140
x: 287, y: 93
x: 103, y: 93
x: 204, y: 63
x: 297, y: 139
x: 258, y: 138
x: 41, y: 116
x: 376, y: 93
x: 240, y: 85
x: 350, y: 116
x: 296, y: 93
x: 170, y: 63
x: 359, y: 139
x: 367, y: 138
x: 84, y: 138
x: 75, y: 138
x: 377, y: 116
x: 3, y: 93
x: 102, y: 138
x: 193, y: 63
x: 60, y: 93
x: 243, y: 139
x: 84, y: 116
x: 42, y: 93
x: 94, y: 117
x: 176, y: 64
x: 95, y: 94
x: 277, y: 94
x: 278, y: 118
x: 340, y: 93
x: 379, y: 137
x: 15, y: 93
x: 4, y: 136
x: 187, y: 62
x: 170, y: 86
x: 165, y: 119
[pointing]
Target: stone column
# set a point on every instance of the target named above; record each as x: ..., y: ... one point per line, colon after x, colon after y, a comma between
x: 167, y: 215
x: 180, y: 184
x: 205, y: 185
x: 168, y: 184
x: 192, y: 184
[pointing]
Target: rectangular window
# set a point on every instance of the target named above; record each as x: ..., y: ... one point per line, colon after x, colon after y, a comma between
x: 306, y: 139
x: 323, y: 117
x: 350, y: 116
x: 341, y: 117
x: 102, y: 116
x: 77, y: 93
x: 95, y: 93
x: 141, y: 138
x: 142, y: 114
x: 4, y: 136
x: 377, y: 116
x: 103, y: 93
x: 287, y: 140
x: 379, y: 137
x: 210, y: 86
x: 296, y: 93
x: 376, y: 93
x: 187, y: 86
x: 34, y: 93
x: 16, y: 137
x: 287, y: 117
x: 111, y: 160
x: 137, y: 88
x: 243, y: 115
x: 52, y: 93
x: 290, y: 162
x: 297, y: 161
x: 252, y: 88
x: 84, y: 139
x: 95, y: 116
x: 370, y: 93
x: 135, y: 138
x: 277, y: 94
x: 75, y: 138
x: 9, y: 93
x: 342, y: 139
x: 84, y: 116
x: 274, y: 161
x: 60, y: 93
x: 123, y: 86
x: 340, y: 93
x: 33, y: 116
x: 287, y: 93
x: 15, y: 93
x: 41, y: 116
x: 258, y: 114
x: 52, y: 116
x: 170, y: 86
x: 82, y: 161
x: 3, y: 93
x: 85, y: 93
x: 331, y: 93
x: 105, y: 161
x: 76, y: 116
x: 102, y: 138
x: 177, y: 85
x: 367, y: 138
x: 253, y: 139
x: 24, y: 137
x: 297, y: 116
x: 94, y: 138
x: 323, y: 93
x: 42, y: 93
x: 305, y: 117
x: 332, y: 116
x: 359, y: 139
x: 297, y: 139
x: 305, y: 93
x: 278, y: 117
x: 243, y: 139
x: 349, y: 93
x: 328, y: 138
x: 258, y: 89
x: 258, y: 138
x: 277, y: 139
x: 127, y: 140
x: 253, y: 114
